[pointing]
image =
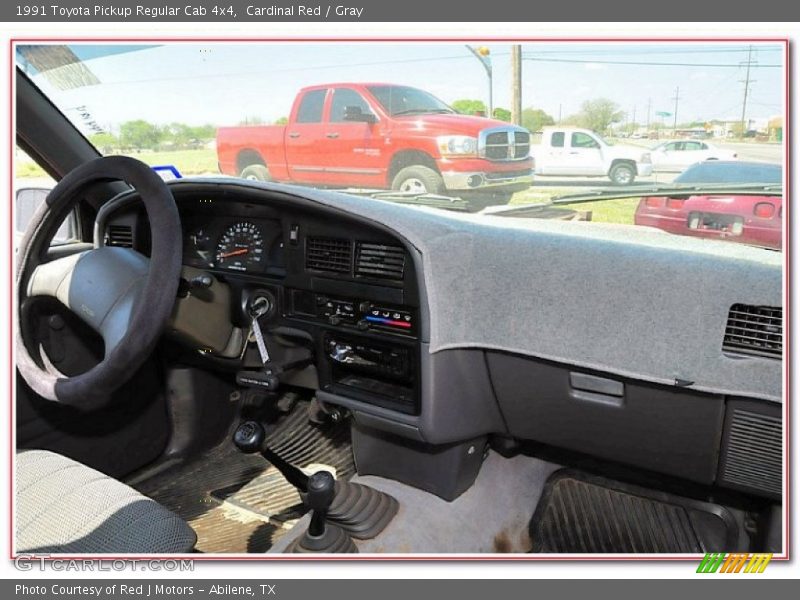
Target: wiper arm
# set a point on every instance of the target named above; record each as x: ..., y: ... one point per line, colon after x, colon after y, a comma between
x: 416, y: 198
x: 421, y: 111
x: 672, y: 189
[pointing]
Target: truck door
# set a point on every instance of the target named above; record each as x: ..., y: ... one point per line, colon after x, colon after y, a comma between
x: 304, y: 133
x: 353, y: 156
x: 550, y: 159
x: 584, y: 156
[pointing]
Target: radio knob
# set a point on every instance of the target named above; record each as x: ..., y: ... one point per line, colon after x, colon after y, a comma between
x: 334, y: 319
x: 364, y: 306
x: 363, y: 324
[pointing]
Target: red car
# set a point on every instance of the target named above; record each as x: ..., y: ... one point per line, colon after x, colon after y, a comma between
x: 755, y: 220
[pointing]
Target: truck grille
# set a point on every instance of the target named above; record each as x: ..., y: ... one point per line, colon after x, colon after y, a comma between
x: 504, y: 143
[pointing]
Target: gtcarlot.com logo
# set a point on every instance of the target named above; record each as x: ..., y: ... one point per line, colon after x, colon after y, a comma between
x: 42, y: 562
x: 720, y: 562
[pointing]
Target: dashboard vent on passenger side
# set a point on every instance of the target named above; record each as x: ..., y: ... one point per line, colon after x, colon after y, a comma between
x: 119, y: 236
x: 329, y: 254
x: 380, y: 261
x: 752, y: 449
x: 755, y: 330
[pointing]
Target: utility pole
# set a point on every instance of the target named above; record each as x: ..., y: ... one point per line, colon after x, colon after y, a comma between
x: 633, y: 121
x: 649, y: 100
x: 516, y: 84
x: 675, y: 120
x: 746, y: 83
x: 559, y: 114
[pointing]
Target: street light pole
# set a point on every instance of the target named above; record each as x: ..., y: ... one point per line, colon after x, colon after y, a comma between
x: 482, y: 54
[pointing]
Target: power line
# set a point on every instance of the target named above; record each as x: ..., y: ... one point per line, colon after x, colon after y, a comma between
x: 643, y: 63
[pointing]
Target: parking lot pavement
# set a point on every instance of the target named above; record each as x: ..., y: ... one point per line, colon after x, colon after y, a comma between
x: 754, y: 151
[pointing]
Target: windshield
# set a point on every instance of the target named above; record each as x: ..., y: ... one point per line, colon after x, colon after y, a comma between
x: 367, y: 118
x: 399, y: 100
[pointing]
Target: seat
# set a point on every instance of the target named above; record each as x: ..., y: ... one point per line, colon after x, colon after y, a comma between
x: 65, y: 507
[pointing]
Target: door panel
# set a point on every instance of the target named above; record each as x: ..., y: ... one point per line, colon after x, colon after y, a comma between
x: 304, y: 134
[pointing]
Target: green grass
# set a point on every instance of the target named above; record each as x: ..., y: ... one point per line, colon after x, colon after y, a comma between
x: 605, y: 211
x: 188, y: 162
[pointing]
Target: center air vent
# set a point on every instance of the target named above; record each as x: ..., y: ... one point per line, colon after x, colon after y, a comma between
x: 380, y: 261
x: 329, y: 254
x: 755, y: 330
x: 119, y: 236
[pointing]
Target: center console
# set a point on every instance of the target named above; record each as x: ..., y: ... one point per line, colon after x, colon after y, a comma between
x: 368, y: 350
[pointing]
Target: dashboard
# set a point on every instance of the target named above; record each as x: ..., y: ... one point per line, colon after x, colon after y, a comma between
x: 440, y: 330
x: 346, y: 290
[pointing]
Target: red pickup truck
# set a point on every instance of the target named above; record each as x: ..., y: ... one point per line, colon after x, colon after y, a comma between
x: 376, y: 135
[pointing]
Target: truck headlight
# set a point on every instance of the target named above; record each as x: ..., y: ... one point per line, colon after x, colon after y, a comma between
x: 457, y: 145
x: 646, y: 157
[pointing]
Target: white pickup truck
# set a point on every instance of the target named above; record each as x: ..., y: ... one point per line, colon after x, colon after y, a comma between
x: 573, y: 152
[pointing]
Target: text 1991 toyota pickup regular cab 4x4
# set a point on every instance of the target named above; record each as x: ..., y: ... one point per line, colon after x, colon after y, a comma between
x: 381, y: 136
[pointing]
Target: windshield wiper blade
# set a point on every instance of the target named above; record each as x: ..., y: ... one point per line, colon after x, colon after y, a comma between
x: 671, y: 189
x: 423, y: 111
x: 416, y: 198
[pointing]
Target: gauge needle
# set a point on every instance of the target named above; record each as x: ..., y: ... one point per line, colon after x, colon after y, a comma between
x: 235, y: 253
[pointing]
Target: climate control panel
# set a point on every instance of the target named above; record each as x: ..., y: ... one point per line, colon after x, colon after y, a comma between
x: 363, y: 315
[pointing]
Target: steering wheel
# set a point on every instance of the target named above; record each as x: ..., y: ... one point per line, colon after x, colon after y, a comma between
x: 121, y: 294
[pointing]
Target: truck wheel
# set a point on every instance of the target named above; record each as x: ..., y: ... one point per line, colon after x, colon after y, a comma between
x: 255, y: 173
x: 622, y: 174
x: 420, y: 179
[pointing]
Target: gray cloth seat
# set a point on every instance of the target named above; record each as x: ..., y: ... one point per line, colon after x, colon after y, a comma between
x: 63, y: 506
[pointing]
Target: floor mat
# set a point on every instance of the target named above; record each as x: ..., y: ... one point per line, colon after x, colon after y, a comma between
x: 240, y: 503
x: 581, y: 513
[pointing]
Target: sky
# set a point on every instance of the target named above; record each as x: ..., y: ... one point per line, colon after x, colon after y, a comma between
x: 223, y: 83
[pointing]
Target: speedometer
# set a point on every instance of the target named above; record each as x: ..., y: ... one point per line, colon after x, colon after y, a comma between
x: 240, y: 248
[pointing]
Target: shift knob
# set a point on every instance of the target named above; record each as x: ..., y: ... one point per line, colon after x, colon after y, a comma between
x: 321, y: 490
x: 249, y: 437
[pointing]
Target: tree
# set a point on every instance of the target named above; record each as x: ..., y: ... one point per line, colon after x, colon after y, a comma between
x: 469, y: 107
x: 533, y: 119
x: 251, y: 120
x: 139, y: 135
x: 282, y: 121
x: 599, y: 114
x: 502, y: 114
x: 105, y: 142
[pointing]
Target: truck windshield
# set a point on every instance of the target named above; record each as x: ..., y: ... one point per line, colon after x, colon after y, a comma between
x: 400, y: 100
x: 447, y: 126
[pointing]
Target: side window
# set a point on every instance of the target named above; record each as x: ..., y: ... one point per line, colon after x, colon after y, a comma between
x: 671, y: 147
x: 692, y: 146
x: 311, y: 106
x: 343, y: 97
x: 703, y: 146
x: 31, y: 186
x: 557, y: 140
x: 582, y: 140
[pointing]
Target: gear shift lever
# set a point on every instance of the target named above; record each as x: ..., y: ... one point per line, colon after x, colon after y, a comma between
x: 339, y: 507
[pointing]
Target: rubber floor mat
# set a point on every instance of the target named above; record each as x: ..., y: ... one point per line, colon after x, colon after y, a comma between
x: 239, y: 503
x: 581, y: 513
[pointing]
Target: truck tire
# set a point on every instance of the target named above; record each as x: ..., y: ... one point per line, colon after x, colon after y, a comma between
x: 622, y: 174
x: 255, y: 173
x: 418, y: 178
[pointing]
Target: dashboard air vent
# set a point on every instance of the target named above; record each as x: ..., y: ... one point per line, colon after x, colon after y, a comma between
x: 755, y: 330
x: 751, y: 451
x: 380, y: 261
x: 329, y: 254
x: 119, y: 236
